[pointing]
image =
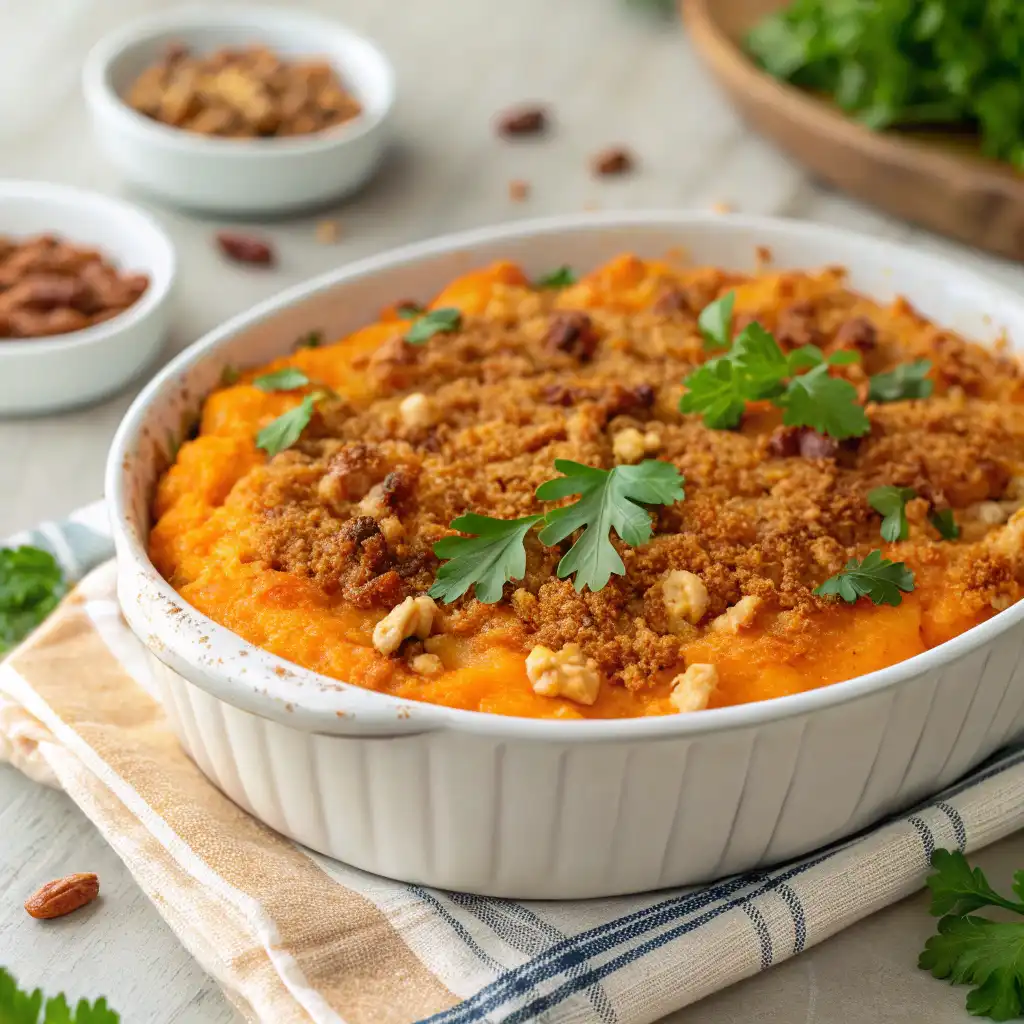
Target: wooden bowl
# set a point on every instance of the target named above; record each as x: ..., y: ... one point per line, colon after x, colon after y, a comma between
x: 939, y: 183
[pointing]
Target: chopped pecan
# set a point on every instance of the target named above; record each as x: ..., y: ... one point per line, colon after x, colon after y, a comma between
x: 572, y: 332
x: 522, y: 121
x: 671, y: 300
x: 245, y: 248
x: 796, y: 327
x: 559, y: 394
x: 615, y: 160
x: 787, y: 442
x: 63, y: 895
x: 858, y: 333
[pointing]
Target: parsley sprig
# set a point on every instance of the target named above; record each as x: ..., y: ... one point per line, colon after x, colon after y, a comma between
x: 438, y: 321
x: 487, y: 560
x: 610, y: 499
x: 876, y: 577
x: 755, y: 368
x: 891, y: 503
x: 561, y: 277
x: 283, y: 432
x: 972, y: 950
x: 20, y: 1007
x: 909, y: 380
x: 31, y: 586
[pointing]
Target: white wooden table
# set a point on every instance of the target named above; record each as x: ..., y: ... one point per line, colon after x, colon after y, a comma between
x: 611, y: 76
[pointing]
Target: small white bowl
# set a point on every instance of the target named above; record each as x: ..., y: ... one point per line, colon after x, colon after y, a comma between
x: 239, y: 175
x: 51, y: 373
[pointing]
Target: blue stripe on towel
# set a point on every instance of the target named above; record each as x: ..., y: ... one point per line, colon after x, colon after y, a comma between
x: 456, y: 926
x: 927, y: 840
x: 542, y: 1004
x: 959, y: 829
x: 796, y: 909
x: 763, y: 934
x: 520, y: 928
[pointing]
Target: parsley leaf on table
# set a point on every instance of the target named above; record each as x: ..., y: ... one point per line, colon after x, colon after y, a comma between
x: 943, y: 521
x: 715, y: 322
x: 561, y: 277
x: 288, y: 378
x: 31, y: 586
x: 876, y: 577
x: 609, y: 499
x: 486, y: 561
x: 891, y: 502
x: 19, y: 1007
x: 971, y: 950
x: 909, y: 380
x: 437, y: 321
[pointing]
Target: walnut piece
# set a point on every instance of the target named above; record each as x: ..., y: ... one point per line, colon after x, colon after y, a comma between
x: 692, y: 690
x: 741, y: 614
x: 413, y: 617
x: 685, y: 599
x: 565, y: 673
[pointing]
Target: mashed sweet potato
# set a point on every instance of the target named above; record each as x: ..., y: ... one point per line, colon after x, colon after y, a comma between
x: 306, y: 552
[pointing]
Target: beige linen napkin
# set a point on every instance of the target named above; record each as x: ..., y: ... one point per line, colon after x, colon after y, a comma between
x: 293, y: 936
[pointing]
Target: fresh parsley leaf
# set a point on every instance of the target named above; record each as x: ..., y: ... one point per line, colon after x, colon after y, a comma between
x: 228, y: 376
x: 843, y: 357
x: 609, y: 500
x: 755, y: 368
x: 19, y: 1007
x: 976, y: 950
x: 288, y: 378
x: 987, y: 954
x: 876, y: 577
x: 715, y: 390
x: 31, y: 586
x: 891, y: 502
x: 910, y: 380
x: 487, y: 561
x: 283, y: 432
x: 828, y: 404
x: 760, y: 360
x: 562, y: 277
x: 312, y: 339
x: 715, y: 322
x: 408, y: 311
x: 943, y: 521
x: 958, y: 889
x: 437, y: 321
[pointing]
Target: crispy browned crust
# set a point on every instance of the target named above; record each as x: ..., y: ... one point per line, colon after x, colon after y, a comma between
x: 358, y: 504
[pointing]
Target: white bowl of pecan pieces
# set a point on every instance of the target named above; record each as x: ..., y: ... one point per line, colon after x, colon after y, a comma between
x: 85, y: 283
x: 240, y: 109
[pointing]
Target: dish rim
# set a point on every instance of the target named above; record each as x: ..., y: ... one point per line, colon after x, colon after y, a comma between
x: 100, y: 92
x: 276, y: 691
x: 42, y: 193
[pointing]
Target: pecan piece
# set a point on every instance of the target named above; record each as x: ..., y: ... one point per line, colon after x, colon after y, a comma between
x: 787, y: 442
x: 63, y: 895
x: 245, y: 248
x: 523, y: 121
x: 572, y: 332
x: 858, y: 333
x: 615, y: 160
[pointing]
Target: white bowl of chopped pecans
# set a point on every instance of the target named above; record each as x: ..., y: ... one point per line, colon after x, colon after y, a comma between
x: 240, y: 109
x: 85, y: 284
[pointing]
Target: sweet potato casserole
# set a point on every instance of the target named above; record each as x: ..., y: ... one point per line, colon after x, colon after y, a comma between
x: 649, y: 491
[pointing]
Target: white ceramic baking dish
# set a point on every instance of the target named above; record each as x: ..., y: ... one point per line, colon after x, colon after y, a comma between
x: 557, y: 809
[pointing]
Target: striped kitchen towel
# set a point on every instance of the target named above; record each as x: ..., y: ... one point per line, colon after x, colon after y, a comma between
x: 293, y: 936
